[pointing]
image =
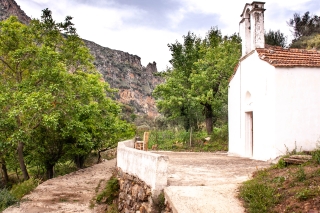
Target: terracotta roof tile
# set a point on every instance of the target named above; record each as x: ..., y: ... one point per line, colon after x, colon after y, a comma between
x: 279, y: 57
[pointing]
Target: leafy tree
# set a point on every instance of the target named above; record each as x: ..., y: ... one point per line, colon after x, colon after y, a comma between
x: 305, y: 25
x: 275, y: 38
x: 53, y: 103
x: 199, y: 77
x: 305, y: 30
x: 212, y: 72
x: 175, y: 100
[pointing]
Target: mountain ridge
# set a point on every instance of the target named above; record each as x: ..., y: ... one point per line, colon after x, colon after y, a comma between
x: 123, y: 71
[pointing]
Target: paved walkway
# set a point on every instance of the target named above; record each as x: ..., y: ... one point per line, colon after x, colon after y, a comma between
x: 207, y: 182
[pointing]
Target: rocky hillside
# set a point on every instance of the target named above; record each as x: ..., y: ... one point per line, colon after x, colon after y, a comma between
x: 120, y: 69
x: 125, y: 72
x: 11, y: 8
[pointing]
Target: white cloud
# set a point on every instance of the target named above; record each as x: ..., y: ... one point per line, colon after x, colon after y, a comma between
x: 124, y: 27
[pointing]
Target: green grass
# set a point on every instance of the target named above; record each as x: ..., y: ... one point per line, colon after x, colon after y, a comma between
x: 180, y: 140
x: 258, y: 194
x: 21, y: 189
x: 6, y: 199
x: 110, y: 192
x: 283, y: 187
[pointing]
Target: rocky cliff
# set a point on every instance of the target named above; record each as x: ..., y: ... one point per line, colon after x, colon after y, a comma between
x: 11, y: 8
x: 120, y: 69
x: 125, y: 72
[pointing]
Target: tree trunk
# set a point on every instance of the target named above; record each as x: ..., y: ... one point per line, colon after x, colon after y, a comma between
x: 209, y: 118
x: 5, y: 173
x: 79, y: 161
x: 21, y: 161
x: 50, y: 172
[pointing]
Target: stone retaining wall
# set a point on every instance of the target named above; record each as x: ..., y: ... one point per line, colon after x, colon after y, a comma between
x: 135, y: 196
x: 142, y: 176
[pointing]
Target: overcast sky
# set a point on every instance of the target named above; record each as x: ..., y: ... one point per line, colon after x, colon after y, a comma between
x: 145, y: 27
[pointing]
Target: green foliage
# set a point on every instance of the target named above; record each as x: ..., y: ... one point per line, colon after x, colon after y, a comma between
x: 300, y: 174
x: 161, y: 202
x: 275, y: 38
x: 196, y: 86
x: 316, y: 155
x: 304, y: 25
x: 307, y: 42
x: 62, y: 168
x: 180, y: 140
x: 220, y: 134
x: 53, y: 104
x: 281, y: 164
x: 110, y: 192
x: 306, y: 30
x: 21, y: 189
x: 279, y: 180
x: 6, y: 199
x: 305, y: 194
x: 258, y: 194
x: 112, y: 208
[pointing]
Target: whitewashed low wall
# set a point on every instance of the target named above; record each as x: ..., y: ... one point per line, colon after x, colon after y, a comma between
x: 149, y: 167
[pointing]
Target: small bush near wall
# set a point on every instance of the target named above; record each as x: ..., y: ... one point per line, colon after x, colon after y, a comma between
x: 110, y: 193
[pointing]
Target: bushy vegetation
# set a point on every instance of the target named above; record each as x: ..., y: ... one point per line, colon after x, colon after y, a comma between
x: 21, y: 189
x: 110, y: 192
x: 195, y: 88
x: 284, y: 188
x: 258, y: 194
x: 181, y: 140
x: 6, y: 199
x: 54, y: 107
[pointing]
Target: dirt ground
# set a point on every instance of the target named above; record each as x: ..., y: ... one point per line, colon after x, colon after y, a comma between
x: 68, y: 193
x: 197, y: 182
x: 207, y: 182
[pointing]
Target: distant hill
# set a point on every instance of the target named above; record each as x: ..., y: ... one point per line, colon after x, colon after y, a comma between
x: 120, y: 69
x: 125, y: 72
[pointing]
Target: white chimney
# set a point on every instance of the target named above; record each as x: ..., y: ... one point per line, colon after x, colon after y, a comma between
x: 252, y: 27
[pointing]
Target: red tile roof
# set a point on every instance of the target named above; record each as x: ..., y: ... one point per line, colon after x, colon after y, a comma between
x: 279, y: 57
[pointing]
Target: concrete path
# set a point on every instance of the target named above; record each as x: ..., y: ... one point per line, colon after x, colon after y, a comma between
x: 207, y: 182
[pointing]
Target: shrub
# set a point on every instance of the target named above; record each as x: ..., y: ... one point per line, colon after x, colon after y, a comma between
x: 258, y: 194
x: 281, y: 164
x: 305, y: 194
x: 112, y: 208
x: 21, y: 189
x: 110, y: 192
x: 6, y: 199
x: 316, y: 155
x: 161, y: 201
x: 301, y: 175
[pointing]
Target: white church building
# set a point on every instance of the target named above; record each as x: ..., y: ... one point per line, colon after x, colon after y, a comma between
x: 273, y: 96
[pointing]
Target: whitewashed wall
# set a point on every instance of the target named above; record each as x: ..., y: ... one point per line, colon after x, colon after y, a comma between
x: 286, y: 108
x: 297, y: 109
x: 149, y: 167
x: 252, y: 89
